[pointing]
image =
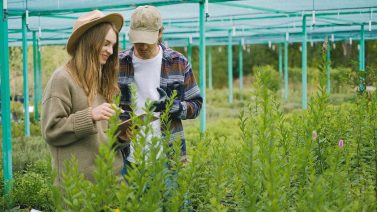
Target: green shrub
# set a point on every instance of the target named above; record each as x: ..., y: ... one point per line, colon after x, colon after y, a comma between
x: 253, y: 157
x: 31, y: 187
x: 27, y: 151
x: 341, y: 79
x: 32, y: 190
x: 18, y: 129
x: 270, y: 77
x: 17, y: 109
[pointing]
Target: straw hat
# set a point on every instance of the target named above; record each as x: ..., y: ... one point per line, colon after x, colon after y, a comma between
x: 89, y: 20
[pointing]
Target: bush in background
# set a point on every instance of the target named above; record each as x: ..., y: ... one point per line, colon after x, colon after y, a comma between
x: 33, y: 187
x: 270, y: 76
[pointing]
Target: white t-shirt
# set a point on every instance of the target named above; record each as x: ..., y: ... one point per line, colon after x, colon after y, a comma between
x: 147, y: 73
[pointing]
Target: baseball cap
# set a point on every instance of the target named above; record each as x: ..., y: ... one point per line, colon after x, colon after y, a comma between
x: 146, y: 22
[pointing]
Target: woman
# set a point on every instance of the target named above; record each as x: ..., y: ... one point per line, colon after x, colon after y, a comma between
x: 77, y: 99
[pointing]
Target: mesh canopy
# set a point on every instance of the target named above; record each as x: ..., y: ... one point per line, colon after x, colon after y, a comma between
x: 253, y: 21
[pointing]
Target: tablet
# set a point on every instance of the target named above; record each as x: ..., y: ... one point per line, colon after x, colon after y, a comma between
x: 123, y: 126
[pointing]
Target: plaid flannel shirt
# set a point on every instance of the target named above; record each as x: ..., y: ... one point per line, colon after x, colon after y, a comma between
x: 175, y: 70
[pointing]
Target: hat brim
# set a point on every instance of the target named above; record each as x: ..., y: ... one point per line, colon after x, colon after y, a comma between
x: 138, y: 36
x: 114, y: 18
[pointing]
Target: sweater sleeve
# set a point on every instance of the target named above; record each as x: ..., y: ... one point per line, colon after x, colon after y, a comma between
x: 59, y: 128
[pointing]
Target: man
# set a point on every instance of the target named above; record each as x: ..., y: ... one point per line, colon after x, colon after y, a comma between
x: 157, y: 71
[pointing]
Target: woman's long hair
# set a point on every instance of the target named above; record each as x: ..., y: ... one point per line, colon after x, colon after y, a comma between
x: 85, y: 68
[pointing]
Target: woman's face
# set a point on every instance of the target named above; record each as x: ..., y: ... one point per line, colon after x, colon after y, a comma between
x: 107, y: 48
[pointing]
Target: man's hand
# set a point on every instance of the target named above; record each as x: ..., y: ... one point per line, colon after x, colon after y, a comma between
x: 159, y: 105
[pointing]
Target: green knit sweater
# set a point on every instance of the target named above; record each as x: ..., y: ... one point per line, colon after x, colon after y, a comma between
x: 68, y: 128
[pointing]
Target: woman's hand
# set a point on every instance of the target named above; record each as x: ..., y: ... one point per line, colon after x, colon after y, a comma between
x: 103, y: 112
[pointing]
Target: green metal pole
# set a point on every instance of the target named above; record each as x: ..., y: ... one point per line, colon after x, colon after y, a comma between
x: 124, y: 42
x: 25, y: 76
x: 362, y: 48
x: 360, y: 65
x: 304, y: 64
x: 202, y: 67
x: 210, y: 85
x: 5, y: 103
x: 230, y: 67
x: 189, y: 51
x: 240, y: 63
x: 280, y: 61
x: 39, y: 70
x: 286, y: 91
x: 328, y: 66
x: 362, y: 58
x: 35, y: 67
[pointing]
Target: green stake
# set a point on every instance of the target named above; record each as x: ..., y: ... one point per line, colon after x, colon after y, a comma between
x: 210, y: 85
x: 5, y: 104
x: 304, y: 64
x: 25, y: 76
x: 230, y: 67
x: 35, y: 73
x: 202, y: 67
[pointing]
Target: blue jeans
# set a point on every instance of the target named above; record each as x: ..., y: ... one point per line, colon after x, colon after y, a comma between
x: 126, y: 166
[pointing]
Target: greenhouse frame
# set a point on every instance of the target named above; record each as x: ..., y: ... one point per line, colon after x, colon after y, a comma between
x: 187, y: 23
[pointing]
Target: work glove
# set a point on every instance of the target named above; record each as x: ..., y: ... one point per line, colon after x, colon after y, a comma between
x: 160, y: 105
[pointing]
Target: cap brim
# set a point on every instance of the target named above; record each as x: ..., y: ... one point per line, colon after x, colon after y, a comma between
x: 137, y: 36
x: 115, y: 18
